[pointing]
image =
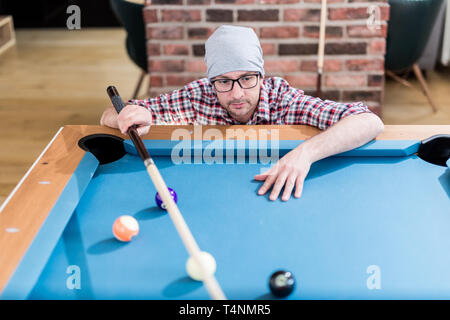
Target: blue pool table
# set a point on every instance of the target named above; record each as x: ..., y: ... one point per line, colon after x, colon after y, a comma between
x: 372, y: 223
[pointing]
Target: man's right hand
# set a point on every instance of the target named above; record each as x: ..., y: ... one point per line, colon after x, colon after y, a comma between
x: 130, y: 115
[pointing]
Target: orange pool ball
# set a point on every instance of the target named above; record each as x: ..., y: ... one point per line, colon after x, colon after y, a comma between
x: 125, y: 228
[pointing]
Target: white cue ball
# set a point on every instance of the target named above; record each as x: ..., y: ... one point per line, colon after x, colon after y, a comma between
x: 193, y: 270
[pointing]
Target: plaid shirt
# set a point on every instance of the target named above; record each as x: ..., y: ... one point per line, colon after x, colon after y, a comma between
x: 279, y: 103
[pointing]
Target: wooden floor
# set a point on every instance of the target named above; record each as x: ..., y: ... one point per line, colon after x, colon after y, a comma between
x: 403, y: 105
x: 57, y: 77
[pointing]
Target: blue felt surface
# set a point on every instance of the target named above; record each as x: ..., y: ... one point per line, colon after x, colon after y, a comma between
x: 355, y: 212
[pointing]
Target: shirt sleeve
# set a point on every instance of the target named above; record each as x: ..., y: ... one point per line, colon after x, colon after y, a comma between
x: 307, y: 110
x: 170, y: 108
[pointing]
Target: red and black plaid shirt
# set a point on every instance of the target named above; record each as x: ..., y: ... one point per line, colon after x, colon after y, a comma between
x: 279, y: 103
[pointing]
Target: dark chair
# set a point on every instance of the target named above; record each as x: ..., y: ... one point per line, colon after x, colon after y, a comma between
x: 410, y: 25
x: 131, y: 17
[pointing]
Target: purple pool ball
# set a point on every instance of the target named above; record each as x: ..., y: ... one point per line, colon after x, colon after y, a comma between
x: 159, y: 201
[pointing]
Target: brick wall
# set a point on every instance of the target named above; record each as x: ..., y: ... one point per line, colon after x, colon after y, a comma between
x: 289, y: 32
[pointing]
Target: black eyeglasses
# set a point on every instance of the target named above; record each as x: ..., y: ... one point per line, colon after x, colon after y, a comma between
x: 247, y: 81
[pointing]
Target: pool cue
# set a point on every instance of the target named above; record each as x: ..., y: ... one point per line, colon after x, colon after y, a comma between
x: 185, y: 234
x: 321, y: 49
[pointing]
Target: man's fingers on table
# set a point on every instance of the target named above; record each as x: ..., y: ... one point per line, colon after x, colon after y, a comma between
x: 271, y: 171
x: 289, y: 186
x: 267, y: 184
x: 264, y: 175
x: 299, y: 186
x: 279, y: 183
x: 261, y: 176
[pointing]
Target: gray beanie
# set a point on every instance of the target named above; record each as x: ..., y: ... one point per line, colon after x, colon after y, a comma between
x: 232, y: 48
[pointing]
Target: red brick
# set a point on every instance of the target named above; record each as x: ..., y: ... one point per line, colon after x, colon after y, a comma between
x: 309, y: 66
x: 377, y: 47
x: 328, y: 1
x: 333, y: 95
x: 348, y: 13
x: 219, y: 15
x: 385, y: 13
x: 361, y: 95
x: 297, y: 49
x: 301, y: 15
x: 269, y: 49
x: 345, y: 81
x: 354, y: 1
x: 375, y: 80
x: 302, y: 81
x: 367, y: 32
x: 181, y: 15
x: 156, y: 81
x: 332, y: 65
x: 198, y: 66
x: 179, y: 80
x: 153, y: 49
x: 199, y: 33
x: 279, y: 32
x: 330, y: 32
x: 198, y: 49
x: 279, y: 65
x: 200, y: 2
x: 166, y: 66
x: 164, y: 33
x: 278, y: 1
x: 150, y: 15
x: 346, y: 48
x: 258, y: 15
x: 235, y: 1
x: 328, y: 65
x: 176, y: 49
x: 166, y: 2
x: 365, y: 65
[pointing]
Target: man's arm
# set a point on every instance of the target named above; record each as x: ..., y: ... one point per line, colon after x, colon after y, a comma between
x: 347, y: 134
x: 290, y: 171
x: 170, y: 108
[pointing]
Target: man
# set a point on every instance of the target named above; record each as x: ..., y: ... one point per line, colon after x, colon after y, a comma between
x: 236, y: 92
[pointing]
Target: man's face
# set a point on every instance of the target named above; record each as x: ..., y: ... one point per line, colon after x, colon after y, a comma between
x: 240, y: 103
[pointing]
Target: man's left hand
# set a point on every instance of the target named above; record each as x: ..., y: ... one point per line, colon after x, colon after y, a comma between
x: 290, y: 171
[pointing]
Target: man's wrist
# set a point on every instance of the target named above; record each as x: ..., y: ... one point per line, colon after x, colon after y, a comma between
x: 305, y: 152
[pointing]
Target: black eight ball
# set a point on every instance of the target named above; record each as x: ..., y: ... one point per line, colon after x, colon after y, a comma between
x: 281, y: 283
